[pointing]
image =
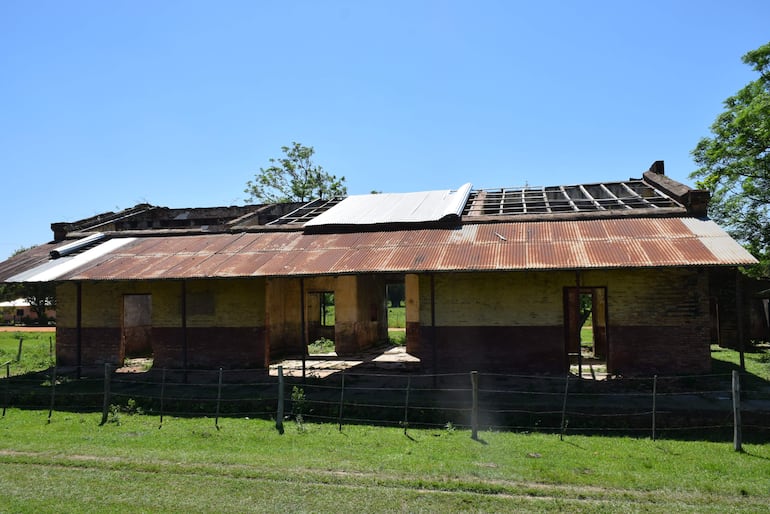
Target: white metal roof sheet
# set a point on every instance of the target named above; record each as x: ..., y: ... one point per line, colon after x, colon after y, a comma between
x: 385, y: 208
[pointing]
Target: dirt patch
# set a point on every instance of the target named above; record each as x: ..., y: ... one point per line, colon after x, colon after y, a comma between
x: 8, y: 328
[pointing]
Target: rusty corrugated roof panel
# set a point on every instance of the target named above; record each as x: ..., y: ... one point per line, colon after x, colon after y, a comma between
x: 584, y: 244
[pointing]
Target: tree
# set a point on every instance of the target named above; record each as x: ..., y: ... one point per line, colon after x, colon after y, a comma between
x: 735, y: 163
x: 294, y: 178
x: 41, y: 296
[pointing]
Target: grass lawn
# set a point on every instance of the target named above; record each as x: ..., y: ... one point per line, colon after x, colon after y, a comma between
x: 36, y: 351
x: 74, y: 465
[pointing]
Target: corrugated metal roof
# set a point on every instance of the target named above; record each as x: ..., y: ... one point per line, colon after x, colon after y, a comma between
x: 600, y: 243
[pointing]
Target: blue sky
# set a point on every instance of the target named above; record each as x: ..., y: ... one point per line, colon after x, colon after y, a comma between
x: 104, y: 105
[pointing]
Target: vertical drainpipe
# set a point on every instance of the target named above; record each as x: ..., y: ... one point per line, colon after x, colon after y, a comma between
x: 303, y: 336
x: 433, y: 323
x: 184, y: 324
x: 79, y: 325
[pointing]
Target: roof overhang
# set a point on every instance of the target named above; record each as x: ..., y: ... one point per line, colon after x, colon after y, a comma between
x: 584, y: 244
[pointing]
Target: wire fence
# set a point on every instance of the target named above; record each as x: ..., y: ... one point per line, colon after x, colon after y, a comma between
x: 717, y: 406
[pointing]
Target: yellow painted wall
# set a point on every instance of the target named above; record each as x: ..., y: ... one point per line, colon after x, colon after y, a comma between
x: 494, y: 299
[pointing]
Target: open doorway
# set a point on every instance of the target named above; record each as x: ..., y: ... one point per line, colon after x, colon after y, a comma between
x: 395, y: 294
x: 320, y: 323
x: 585, y: 314
x: 136, y: 331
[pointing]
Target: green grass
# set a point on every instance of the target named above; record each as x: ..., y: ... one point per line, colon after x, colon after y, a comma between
x: 320, y: 346
x: 396, y: 317
x: 35, y: 353
x: 397, y: 336
x: 73, y: 465
x: 757, y: 360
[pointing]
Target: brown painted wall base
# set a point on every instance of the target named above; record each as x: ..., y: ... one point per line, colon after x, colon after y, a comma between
x: 646, y: 350
x: 98, y: 346
x: 209, y: 348
x: 493, y: 349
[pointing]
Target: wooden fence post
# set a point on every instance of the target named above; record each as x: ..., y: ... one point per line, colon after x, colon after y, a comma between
x: 406, y: 403
x: 475, y: 405
x: 53, y: 393
x: 7, y: 385
x: 106, y: 400
x: 18, y: 354
x: 342, y: 400
x: 279, y: 414
x: 162, y: 394
x: 219, y: 399
x: 737, y: 436
x: 564, y: 409
x: 654, y: 395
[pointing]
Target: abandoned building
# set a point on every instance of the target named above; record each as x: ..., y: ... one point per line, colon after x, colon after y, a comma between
x: 494, y: 279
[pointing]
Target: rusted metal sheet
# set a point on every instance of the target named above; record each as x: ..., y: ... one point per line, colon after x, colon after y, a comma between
x: 602, y: 243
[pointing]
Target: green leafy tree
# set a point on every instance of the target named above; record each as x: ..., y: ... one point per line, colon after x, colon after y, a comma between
x: 735, y: 163
x: 294, y: 178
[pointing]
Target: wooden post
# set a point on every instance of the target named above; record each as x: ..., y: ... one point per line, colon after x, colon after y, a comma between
x: 564, y: 409
x: 739, y: 317
x: 162, y: 394
x: 18, y: 354
x: 53, y: 393
x: 342, y: 400
x: 303, y: 330
x: 219, y: 399
x: 7, y: 385
x: 106, y: 400
x: 279, y: 414
x: 50, y: 347
x: 654, y: 394
x: 406, y: 403
x: 475, y: 405
x: 737, y: 436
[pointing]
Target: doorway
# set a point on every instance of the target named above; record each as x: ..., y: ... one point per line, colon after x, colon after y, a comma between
x: 320, y: 322
x: 585, y: 315
x: 136, y: 332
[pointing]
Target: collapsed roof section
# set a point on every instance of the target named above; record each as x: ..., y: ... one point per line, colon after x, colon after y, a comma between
x: 652, y: 195
x: 647, y: 222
